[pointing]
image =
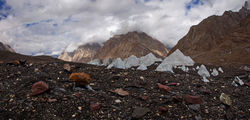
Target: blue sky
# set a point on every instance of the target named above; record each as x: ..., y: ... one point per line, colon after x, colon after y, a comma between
x: 50, y: 26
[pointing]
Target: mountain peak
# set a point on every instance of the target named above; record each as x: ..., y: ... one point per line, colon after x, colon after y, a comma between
x: 133, y: 43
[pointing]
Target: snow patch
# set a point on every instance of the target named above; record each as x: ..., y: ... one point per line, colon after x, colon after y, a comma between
x: 117, y: 63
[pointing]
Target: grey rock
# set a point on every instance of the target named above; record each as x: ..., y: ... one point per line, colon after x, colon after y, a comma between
x: 140, y: 112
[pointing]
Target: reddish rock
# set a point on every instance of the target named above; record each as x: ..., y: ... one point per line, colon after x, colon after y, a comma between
x: 144, y: 97
x: 248, y: 84
x: 164, y: 87
x: 121, y: 92
x: 94, y: 106
x: 173, y: 84
x: 162, y: 109
x: 193, y: 99
x: 16, y: 62
x: 80, y: 78
x: 39, y: 87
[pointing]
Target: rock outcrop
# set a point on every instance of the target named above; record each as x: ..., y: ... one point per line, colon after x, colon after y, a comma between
x: 219, y: 39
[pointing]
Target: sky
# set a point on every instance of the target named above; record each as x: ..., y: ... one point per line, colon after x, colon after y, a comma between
x: 48, y: 27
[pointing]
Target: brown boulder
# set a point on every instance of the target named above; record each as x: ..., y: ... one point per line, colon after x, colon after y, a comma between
x: 80, y: 78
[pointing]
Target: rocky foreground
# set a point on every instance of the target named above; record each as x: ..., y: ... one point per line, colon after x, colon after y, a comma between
x: 121, y: 94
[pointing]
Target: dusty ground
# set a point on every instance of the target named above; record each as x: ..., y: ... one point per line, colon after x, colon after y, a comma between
x: 62, y: 102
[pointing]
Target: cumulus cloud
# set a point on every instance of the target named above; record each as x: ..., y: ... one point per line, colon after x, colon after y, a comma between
x: 51, y: 26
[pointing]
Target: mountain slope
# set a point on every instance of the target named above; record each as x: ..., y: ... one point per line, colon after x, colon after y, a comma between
x: 209, y: 40
x: 132, y: 43
x: 4, y: 47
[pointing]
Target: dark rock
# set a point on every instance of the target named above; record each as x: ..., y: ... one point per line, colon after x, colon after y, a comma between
x: 162, y: 109
x: 195, y: 107
x: 140, y: 112
x: 39, y: 87
x: 144, y: 97
x: 94, y: 106
x: 198, y: 117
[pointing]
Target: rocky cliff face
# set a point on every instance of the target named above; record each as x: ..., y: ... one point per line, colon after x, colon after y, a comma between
x: 132, y: 43
x: 4, y: 47
x: 83, y: 53
x: 218, y: 39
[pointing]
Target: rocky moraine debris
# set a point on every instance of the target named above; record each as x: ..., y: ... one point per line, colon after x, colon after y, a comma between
x: 46, y: 91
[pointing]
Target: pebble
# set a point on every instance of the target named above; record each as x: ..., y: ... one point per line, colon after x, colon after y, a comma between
x: 195, y: 107
x: 140, y: 112
x: 36, y: 70
x: 121, y: 92
x: 79, y: 108
x: 118, y: 101
x: 224, y: 98
x: 67, y: 67
x: 39, y: 87
x: 52, y: 100
x: 141, y: 77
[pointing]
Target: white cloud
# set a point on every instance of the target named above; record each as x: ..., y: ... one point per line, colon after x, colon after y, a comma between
x: 54, y: 25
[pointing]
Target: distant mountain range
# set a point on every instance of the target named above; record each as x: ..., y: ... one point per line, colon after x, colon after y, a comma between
x: 219, y: 39
x: 83, y: 53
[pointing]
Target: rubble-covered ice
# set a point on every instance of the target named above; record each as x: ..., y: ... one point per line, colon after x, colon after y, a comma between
x: 131, y: 61
x: 203, y: 72
x: 95, y: 62
x: 165, y: 68
x: 149, y: 59
x: 220, y: 69
x: 107, y: 61
x: 117, y: 63
x: 177, y: 58
x: 142, y: 67
x: 215, y: 72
